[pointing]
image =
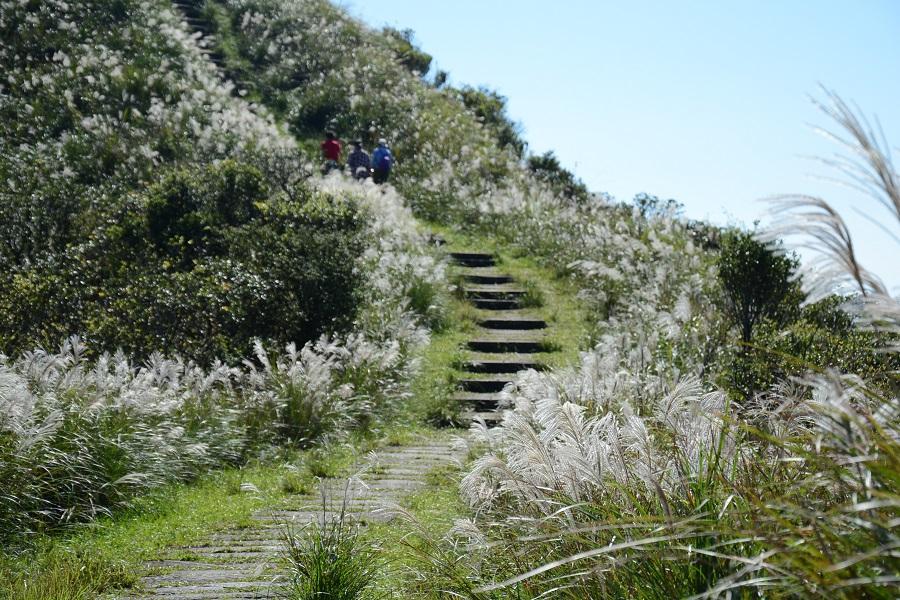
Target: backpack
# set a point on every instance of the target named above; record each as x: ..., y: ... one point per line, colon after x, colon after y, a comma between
x: 385, y: 161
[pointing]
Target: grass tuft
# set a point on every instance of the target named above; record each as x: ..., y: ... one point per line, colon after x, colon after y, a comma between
x: 330, y: 561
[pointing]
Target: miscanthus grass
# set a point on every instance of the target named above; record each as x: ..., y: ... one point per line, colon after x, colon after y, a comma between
x: 330, y: 558
x: 81, y: 437
x: 630, y: 475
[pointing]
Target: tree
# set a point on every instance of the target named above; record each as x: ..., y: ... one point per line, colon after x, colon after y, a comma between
x: 440, y: 79
x: 410, y: 56
x: 757, y: 281
x: 490, y: 108
x: 546, y: 167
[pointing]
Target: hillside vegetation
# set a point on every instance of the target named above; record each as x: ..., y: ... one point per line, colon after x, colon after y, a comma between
x: 172, y: 228
x: 731, y: 427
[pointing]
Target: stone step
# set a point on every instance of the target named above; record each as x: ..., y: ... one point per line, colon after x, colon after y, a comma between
x: 483, y: 384
x: 204, y: 576
x: 473, y: 259
x: 213, y: 594
x: 491, y: 417
x: 501, y: 366
x: 510, y: 335
x: 507, y: 345
x: 513, y: 323
x: 301, y: 517
x: 488, y: 279
x: 232, y: 589
x: 477, y: 401
x: 493, y: 292
x: 491, y: 304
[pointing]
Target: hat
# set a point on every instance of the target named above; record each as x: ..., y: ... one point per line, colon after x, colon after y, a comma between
x: 382, y: 142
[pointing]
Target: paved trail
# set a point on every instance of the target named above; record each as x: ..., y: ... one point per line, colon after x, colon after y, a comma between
x: 246, y: 563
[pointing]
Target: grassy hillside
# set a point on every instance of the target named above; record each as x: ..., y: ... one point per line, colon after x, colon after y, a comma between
x: 159, y: 230
x: 315, y: 67
x: 723, y: 431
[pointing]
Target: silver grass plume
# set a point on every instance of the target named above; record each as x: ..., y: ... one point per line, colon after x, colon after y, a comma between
x: 867, y: 168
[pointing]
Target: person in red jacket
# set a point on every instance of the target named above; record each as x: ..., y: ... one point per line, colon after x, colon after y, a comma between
x: 331, y: 150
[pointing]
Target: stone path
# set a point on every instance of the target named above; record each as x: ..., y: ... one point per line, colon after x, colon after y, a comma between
x: 247, y: 563
x: 510, y: 338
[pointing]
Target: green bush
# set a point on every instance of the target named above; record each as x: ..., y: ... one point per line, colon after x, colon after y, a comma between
x: 823, y: 336
x: 490, y: 108
x: 546, y: 168
x: 410, y: 56
x: 201, y: 265
x: 757, y: 281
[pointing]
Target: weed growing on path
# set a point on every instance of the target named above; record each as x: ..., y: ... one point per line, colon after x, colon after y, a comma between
x: 330, y: 560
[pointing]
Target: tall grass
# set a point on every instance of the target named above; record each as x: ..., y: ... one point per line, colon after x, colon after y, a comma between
x: 330, y: 559
x: 629, y: 475
x: 64, y: 577
x: 80, y: 437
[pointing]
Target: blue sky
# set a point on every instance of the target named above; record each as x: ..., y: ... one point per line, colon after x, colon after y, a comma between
x: 704, y: 102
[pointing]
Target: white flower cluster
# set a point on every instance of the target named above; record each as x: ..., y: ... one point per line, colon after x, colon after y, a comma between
x: 397, y: 266
x: 119, y: 95
x: 578, y: 432
x: 80, y: 436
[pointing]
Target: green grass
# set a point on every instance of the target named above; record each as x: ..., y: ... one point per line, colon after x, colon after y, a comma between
x: 108, y: 553
x: 330, y: 561
x: 432, y: 387
x: 407, y: 543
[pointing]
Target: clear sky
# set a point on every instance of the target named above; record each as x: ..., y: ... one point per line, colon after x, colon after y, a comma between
x: 705, y: 102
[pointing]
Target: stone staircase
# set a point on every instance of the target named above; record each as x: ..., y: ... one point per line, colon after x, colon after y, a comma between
x: 510, y: 337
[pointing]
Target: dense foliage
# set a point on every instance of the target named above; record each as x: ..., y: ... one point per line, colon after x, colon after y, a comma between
x: 200, y: 264
x: 716, y: 436
x: 758, y: 283
x: 150, y: 210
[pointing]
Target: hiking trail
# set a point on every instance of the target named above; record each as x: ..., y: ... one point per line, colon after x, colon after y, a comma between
x: 248, y: 562
x: 509, y: 335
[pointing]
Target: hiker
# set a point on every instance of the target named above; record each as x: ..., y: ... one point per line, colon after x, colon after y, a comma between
x: 359, y: 163
x: 382, y: 161
x: 331, y: 150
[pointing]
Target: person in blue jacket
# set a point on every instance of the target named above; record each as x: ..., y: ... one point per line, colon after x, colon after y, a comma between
x: 382, y: 161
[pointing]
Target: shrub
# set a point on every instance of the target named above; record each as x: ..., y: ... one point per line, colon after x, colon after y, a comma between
x: 757, y: 282
x: 202, y: 265
x: 490, y: 108
x: 546, y: 168
x: 410, y: 56
x: 823, y: 336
